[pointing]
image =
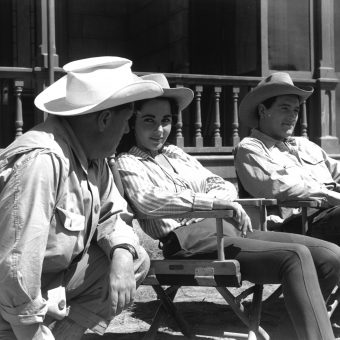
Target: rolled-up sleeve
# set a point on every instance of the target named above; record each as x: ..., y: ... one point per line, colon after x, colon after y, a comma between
x: 149, y: 199
x: 26, y: 206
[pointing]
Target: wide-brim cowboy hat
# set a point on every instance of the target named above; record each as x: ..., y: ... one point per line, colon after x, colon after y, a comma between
x: 277, y: 84
x: 95, y: 84
x: 183, y: 96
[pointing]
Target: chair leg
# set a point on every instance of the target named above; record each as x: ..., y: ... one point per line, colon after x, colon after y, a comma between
x: 255, y: 312
x: 160, y: 314
x: 172, y: 310
x: 239, y: 311
x: 304, y: 220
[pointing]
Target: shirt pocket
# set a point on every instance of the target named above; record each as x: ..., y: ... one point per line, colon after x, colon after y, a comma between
x: 70, y: 220
x: 312, y: 160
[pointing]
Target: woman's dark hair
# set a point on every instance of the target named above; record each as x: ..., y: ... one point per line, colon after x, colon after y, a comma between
x: 129, y: 140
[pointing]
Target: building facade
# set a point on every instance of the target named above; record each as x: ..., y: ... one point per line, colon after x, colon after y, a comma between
x: 219, y: 48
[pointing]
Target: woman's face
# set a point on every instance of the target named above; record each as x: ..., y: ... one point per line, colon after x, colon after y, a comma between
x: 153, y: 124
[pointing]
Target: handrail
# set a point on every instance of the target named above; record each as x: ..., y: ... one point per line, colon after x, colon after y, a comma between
x: 209, y: 125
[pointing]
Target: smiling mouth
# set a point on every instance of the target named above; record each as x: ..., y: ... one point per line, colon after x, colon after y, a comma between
x: 157, y: 140
x: 289, y: 123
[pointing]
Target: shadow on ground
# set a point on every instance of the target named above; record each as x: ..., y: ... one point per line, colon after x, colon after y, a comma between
x: 207, y: 320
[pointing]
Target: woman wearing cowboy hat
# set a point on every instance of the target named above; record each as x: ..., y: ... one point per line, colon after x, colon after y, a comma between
x: 159, y: 178
x: 69, y: 259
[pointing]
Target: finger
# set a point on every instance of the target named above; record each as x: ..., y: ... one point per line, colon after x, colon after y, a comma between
x: 121, y: 303
x: 244, y: 231
x: 184, y: 221
x: 250, y: 227
x: 237, y: 217
x: 114, y: 302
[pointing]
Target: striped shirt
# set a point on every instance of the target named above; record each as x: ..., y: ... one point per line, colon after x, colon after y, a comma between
x: 153, y: 190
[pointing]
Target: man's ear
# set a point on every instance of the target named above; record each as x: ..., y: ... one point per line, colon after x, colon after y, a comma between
x: 261, y: 109
x: 104, y: 119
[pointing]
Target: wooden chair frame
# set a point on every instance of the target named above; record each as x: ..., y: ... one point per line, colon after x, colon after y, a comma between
x: 220, y: 273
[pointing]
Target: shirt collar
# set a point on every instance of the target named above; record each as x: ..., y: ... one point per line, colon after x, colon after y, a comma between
x: 138, y: 152
x: 268, y: 141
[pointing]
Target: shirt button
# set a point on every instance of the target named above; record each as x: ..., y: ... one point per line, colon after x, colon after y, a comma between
x: 96, y: 208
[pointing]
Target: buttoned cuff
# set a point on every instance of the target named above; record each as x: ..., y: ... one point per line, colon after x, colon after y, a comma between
x: 202, y: 202
x: 27, y: 314
x: 121, y: 235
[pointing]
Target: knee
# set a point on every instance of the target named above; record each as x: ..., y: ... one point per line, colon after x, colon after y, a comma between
x: 328, y: 260
x: 297, y: 256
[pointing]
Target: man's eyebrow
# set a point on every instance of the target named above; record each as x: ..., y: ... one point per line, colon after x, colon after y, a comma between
x: 148, y: 115
x: 286, y: 104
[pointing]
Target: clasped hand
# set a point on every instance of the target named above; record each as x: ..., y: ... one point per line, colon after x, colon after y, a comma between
x: 121, y: 285
x: 240, y: 216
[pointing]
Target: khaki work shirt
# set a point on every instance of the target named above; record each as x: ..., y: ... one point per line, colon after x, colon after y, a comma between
x: 286, y: 170
x: 53, y: 202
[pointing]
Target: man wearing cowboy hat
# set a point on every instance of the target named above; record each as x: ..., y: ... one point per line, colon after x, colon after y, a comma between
x: 69, y: 258
x: 271, y: 163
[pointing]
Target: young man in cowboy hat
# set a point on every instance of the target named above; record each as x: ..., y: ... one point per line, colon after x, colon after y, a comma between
x: 69, y: 259
x: 271, y: 163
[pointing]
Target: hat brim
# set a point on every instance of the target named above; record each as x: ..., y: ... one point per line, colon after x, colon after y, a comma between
x: 182, y: 96
x: 248, y: 107
x: 53, y: 99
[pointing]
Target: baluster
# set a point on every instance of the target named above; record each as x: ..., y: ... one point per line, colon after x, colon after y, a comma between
x: 217, y: 140
x: 235, y: 125
x: 18, y: 88
x: 198, y: 122
x: 179, y: 140
x: 304, y: 124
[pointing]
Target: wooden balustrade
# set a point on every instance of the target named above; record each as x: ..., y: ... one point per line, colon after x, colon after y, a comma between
x: 236, y: 137
x: 18, y: 88
x: 198, y: 141
x: 227, y: 91
x: 209, y: 125
x: 217, y: 140
x: 303, y: 118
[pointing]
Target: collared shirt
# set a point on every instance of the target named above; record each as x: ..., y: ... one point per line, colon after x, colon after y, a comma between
x: 153, y: 190
x: 52, y: 201
x: 295, y: 168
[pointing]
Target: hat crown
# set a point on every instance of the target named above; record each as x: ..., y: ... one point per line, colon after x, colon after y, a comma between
x: 158, y: 78
x: 94, y: 79
x: 94, y: 84
x: 277, y: 78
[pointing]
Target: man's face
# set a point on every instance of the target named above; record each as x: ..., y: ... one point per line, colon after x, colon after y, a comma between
x: 119, y: 126
x: 280, y: 119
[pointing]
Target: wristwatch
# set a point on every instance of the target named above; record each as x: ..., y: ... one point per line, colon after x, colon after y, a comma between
x: 126, y: 246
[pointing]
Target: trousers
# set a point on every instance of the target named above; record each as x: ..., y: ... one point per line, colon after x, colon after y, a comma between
x: 323, y: 224
x: 83, y: 282
x: 307, y: 268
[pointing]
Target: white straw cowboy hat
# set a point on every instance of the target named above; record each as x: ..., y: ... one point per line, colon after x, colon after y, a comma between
x: 95, y: 84
x: 277, y: 84
x: 182, y: 95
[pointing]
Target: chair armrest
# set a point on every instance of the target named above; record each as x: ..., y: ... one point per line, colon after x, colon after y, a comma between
x: 217, y: 213
x: 256, y: 202
x: 301, y: 204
